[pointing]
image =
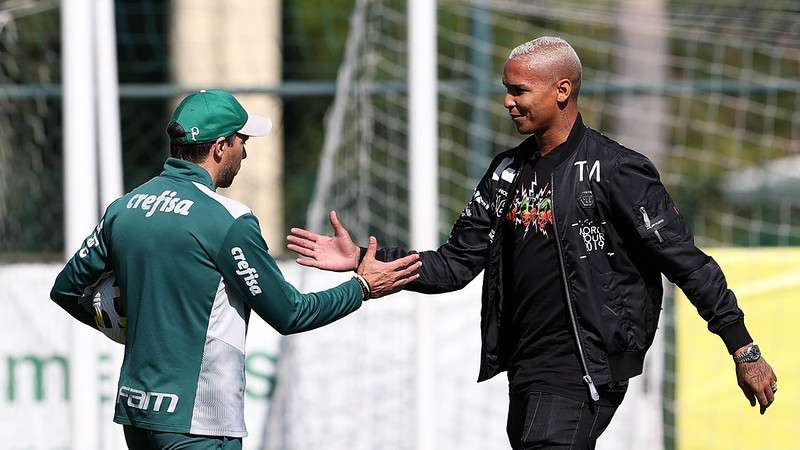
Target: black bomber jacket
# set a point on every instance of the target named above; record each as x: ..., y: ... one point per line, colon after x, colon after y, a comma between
x: 617, y: 230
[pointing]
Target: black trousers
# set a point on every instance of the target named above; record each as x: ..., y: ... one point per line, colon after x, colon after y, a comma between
x: 541, y: 420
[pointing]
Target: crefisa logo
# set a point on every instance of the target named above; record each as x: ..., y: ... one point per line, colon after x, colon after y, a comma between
x: 166, y: 202
x: 249, y: 274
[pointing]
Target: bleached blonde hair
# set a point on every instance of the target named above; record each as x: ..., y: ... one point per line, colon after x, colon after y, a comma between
x: 552, y: 52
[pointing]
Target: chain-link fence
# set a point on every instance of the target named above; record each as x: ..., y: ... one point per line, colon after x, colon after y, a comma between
x: 31, y: 199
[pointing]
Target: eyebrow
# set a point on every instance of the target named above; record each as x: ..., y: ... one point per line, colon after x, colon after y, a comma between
x: 517, y: 85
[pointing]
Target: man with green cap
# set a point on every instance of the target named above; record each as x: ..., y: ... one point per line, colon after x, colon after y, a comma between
x: 191, y: 265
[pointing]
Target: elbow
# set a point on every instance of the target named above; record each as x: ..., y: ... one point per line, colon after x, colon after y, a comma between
x: 282, y: 326
x: 55, y: 295
x: 283, y: 331
x: 60, y: 285
x: 288, y: 325
x: 287, y: 331
x: 441, y: 285
x: 461, y: 283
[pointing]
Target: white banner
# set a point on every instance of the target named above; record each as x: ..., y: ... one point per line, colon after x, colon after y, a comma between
x: 351, y: 385
x: 34, y: 362
x: 350, y: 381
x: 49, y: 388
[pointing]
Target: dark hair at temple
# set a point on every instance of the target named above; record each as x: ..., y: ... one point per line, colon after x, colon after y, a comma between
x: 196, y: 153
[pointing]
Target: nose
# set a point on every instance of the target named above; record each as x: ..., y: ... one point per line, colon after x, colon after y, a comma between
x: 244, y: 153
x: 508, y: 101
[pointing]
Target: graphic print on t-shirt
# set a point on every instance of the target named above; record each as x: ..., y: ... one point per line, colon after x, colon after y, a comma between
x: 532, y: 208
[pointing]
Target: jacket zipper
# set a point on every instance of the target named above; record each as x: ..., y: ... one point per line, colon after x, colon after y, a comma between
x: 586, y: 377
x: 647, y: 223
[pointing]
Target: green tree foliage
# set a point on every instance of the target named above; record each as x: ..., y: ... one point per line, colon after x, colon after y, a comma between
x: 314, y: 35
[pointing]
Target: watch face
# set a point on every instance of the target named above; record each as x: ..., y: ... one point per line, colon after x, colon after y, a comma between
x: 753, y: 353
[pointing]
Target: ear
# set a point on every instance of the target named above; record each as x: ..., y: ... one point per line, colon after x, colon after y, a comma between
x: 218, y: 149
x: 563, y: 90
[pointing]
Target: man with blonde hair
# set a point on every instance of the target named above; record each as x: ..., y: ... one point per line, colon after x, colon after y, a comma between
x: 573, y: 231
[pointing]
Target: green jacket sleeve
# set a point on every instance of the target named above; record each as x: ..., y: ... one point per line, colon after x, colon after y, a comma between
x: 247, y: 267
x: 81, y: 271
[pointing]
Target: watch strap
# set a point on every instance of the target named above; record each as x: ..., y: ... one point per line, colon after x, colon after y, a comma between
x: 752, y: 353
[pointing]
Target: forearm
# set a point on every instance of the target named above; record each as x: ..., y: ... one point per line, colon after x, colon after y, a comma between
x: 702, y: 280
x: 289, y: 311
x: 78, y: 312
x: 64, y: 294
x: 647, y: 213
x: 247, y: 267
x: 81, y: 271
x: 707, y: 289
x: 443, y: 270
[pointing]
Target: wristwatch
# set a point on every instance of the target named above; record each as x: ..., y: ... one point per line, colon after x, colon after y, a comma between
x: 751, y: 354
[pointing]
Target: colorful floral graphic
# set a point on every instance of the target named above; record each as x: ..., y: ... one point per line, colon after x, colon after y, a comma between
x: 532, y: 206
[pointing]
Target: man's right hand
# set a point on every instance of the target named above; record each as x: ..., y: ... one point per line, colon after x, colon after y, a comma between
x: 337, y: 253
x: 757, y: 380
x: 385, y: 278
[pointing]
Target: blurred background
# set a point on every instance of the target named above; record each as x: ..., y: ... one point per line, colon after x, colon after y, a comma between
x: 709, y: 90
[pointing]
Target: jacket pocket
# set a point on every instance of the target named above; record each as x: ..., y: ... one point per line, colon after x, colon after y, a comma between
x: 659, y: 224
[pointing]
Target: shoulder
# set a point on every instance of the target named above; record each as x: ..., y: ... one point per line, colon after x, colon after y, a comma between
x: 505, y: 156
x: 607, y: 149
x: 112, y: 211
x: 117, y: 204
x: 502, y: 162
x: 234, y: 208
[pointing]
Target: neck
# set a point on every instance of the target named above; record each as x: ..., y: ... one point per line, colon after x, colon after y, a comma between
x: 211, y: 168
x: 557, y: 133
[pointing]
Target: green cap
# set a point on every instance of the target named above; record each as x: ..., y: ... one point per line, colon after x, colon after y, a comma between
x: 210, y: 114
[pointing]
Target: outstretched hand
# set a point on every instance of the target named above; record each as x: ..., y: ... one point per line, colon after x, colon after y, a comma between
x: 337, y: 253
x: 385, y: 278
x: 758, y: 382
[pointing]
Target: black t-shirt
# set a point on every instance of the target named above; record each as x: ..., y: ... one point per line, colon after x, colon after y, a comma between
x: 543, y: 351
x: 537, y: 328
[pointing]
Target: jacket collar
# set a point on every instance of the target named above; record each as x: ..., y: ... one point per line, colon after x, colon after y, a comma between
x: 185, y: 170
x: 563, y: 150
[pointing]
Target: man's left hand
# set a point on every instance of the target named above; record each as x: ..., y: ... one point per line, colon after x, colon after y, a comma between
x: 757, y: 381
x: 337, y: 253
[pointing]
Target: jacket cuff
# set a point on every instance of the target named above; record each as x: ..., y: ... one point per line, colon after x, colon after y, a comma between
x: 735, y: 336
x: 361, y: 255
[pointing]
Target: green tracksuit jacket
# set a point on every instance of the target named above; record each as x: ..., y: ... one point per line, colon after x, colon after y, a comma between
x: 190, y: 264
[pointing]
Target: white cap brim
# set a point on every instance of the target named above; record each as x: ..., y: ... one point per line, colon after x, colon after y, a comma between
x: 256, y: 126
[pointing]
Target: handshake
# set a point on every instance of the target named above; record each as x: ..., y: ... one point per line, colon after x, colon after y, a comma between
x: 339, y: 253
